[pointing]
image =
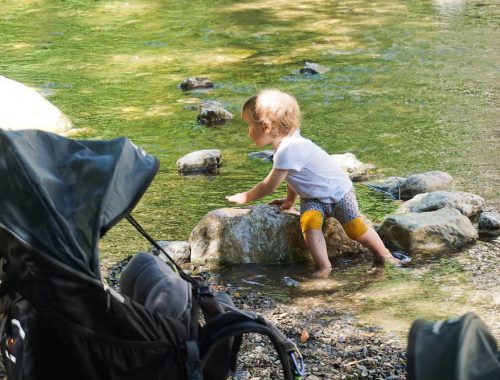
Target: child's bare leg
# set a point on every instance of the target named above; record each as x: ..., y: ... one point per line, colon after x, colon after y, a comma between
x: 372, y: 241
x: 316, y: 243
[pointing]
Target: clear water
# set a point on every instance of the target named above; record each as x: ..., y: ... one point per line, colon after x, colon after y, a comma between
x: 413, y: 86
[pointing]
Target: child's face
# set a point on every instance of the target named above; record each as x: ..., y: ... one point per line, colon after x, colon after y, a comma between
x: 258, y: 132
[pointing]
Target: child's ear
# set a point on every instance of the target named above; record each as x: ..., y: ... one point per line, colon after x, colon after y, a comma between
x: 266, y: 126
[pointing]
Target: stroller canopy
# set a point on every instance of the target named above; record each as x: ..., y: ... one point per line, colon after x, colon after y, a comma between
x: 59, y: 196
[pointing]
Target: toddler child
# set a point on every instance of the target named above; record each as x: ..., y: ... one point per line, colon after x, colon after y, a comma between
x: 273, y: 118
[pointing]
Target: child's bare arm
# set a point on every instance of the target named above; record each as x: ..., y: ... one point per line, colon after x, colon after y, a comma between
x: 263, y: 188
x: 286, y: 203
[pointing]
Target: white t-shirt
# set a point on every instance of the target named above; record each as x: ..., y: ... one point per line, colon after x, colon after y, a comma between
x: 312, y: 173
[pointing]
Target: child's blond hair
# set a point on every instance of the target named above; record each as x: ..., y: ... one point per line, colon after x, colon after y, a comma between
x: 279, y: 108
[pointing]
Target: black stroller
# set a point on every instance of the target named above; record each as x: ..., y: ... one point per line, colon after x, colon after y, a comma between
x: 58, y: 320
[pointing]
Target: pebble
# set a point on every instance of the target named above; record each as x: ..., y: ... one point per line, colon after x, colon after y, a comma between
x: 290, y: 281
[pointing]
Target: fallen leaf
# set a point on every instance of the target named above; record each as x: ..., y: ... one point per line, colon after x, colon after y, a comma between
x: 304, y: 336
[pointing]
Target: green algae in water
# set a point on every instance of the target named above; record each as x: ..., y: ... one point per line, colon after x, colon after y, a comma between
x: 375, y: 205
x: 411, y: 87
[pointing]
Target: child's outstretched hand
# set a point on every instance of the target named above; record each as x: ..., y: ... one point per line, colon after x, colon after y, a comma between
x: 283, y: 204
x: 239, y: 198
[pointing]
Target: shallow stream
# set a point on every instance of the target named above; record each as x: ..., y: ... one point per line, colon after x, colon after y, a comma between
x: 413, y: 86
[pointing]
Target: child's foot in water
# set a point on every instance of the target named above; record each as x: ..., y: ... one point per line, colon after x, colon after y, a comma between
x: 322, y: 273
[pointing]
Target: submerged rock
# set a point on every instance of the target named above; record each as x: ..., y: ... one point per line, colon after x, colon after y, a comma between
x: 266, y: 155
x: 288, y: 281
x: 357, y: 170
x: 199, y: 161
x: 441, y: 231
x: 213, y: 113
x: 468, y: 204
x: 425, y: 183
x: 407, y: 188
x: 192, y: 83
x: 489, y: 223
x: 24, y: 108
x: 259, y: 234
x: 313, y: 68
x: 390, y: 186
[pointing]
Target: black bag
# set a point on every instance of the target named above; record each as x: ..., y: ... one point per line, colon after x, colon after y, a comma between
x: 57, y: 319
x: 156, y: 282
x: 455, y: 349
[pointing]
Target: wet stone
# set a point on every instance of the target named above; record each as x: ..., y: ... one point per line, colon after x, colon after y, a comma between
x: 200, y: 161
x: 311, y: 68
x: 290, y: 282
x: 213, y: 113
x: 266, y: 155
x: 489, y: 223
x: 192, y: 83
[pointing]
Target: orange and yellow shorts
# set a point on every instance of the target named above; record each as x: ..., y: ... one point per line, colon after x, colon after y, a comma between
x: 346, y: 211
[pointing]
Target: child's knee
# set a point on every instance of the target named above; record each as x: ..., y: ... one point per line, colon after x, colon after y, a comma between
x: 355, y: 228
x: 311, y: 220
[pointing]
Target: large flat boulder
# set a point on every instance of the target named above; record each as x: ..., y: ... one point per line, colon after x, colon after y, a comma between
x: 23, y: 108
x: 259, y: 234
x: 470, y: 205
x: 441, y: 231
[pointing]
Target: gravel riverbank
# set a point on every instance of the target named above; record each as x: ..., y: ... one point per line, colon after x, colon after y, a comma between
x: 334, y: 344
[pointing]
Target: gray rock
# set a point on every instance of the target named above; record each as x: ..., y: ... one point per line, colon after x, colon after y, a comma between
x: 180, y: 251
x: 259, y: 234
x: 24, y: 108
x: 313, y: 68
x: 357, y: 170
x: 201, y: 160
x: 425, y: 183
x: 263, y: 155
x: 213, y: 113
x: 468, y: 204
x: 489, y: 223
x: 440, y: 231
x: 288, y: 281
x: 192, y: 83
